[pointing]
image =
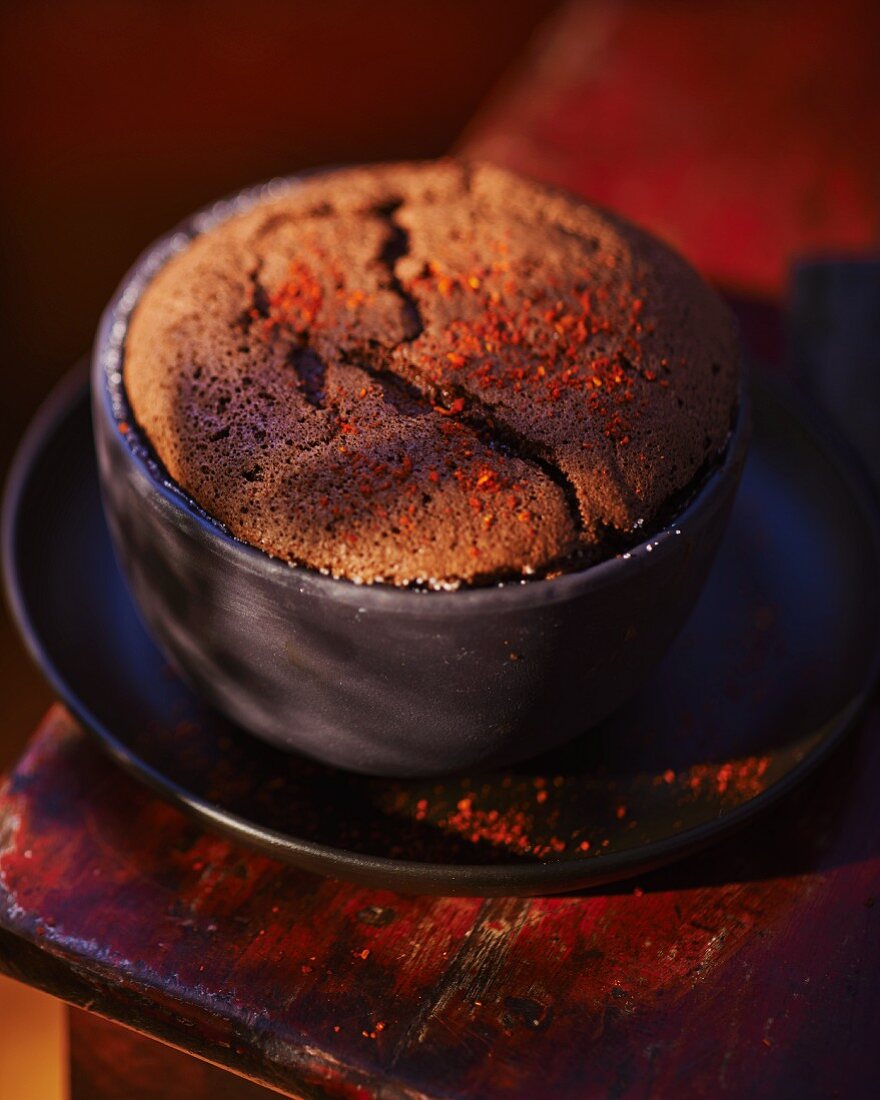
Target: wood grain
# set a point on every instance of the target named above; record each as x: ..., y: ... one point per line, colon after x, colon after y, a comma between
x: 747, y: 971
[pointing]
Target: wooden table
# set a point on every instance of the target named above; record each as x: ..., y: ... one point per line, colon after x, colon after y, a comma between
x: 749, y: 971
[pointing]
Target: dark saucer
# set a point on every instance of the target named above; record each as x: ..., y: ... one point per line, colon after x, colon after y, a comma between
x: 771, y: 670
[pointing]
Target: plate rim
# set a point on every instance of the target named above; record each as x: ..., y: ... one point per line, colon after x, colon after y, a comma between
x: 451, y: 879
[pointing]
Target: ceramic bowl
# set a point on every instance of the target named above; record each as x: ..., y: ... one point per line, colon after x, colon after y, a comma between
x: 375, y: 678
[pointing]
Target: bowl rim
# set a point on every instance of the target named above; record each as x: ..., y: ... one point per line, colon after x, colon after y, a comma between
x: 110, y: 405
x: 409, y: 875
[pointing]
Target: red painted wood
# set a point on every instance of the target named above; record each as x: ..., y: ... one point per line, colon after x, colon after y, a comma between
x: 108, y: 1062
x: 744, y: 132
x: 750, y: 970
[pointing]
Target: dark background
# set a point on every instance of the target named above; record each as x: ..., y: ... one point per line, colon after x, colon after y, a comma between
x: 119, y: 117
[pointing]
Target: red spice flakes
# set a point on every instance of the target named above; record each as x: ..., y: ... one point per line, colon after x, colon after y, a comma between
x: 445, y: 285
x: 124, y: 427
x: 542, y: 341
x: 454, y: 409
x: 296, y: 303
x: 620, y: 812
x: 733, y: 782
x: 354, y: 298
x: 510, y: 828
x: 365, y: 954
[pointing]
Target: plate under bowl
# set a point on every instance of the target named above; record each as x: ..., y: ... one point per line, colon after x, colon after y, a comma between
x: 771, y: 670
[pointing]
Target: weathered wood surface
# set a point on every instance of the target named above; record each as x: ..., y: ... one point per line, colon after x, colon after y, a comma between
x: 108, y: 1062
x: 745, y: 133
x: 748, y: 971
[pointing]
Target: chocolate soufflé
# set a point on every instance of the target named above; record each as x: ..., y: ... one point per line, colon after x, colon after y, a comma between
x: 433, y: 375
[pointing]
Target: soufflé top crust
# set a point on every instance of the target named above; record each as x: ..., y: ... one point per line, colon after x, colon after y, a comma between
x: 432, y: 374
